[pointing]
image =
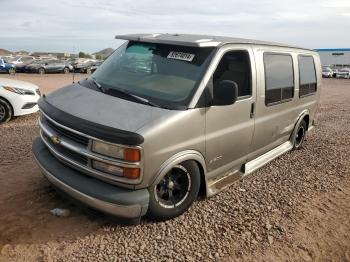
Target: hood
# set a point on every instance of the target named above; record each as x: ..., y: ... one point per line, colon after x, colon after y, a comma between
x: 103, y: 109
x: 18, y: 84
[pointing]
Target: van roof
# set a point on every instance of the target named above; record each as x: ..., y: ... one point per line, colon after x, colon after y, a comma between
x: 196, y: 40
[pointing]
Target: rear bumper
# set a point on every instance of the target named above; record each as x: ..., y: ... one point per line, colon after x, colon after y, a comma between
x: 101, y: 196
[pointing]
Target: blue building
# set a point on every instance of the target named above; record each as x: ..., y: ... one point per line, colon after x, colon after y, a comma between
x: 335, y: 57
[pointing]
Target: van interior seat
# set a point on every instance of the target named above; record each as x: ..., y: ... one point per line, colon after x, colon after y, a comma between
x: 239, y: 72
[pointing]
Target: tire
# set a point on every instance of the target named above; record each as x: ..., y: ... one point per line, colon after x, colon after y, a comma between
x: 12, y: 71
x: 88, y: 71
x: 182, y: 182
x: 41, y: 71
x: 5, y: 111
x: 66, y: 70
x: 299, y: 136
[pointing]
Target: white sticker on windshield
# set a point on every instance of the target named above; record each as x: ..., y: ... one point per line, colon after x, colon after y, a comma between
x: 181, y: 56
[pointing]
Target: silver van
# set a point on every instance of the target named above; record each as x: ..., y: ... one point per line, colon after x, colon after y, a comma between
x: 168, y: 117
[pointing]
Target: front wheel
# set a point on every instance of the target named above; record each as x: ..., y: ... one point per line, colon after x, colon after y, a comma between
x: 12, y: 71
x: 5, y: 111
x: 66, y: 70
x: 41, y: 71
x: 299, y: 135
x: 175, y: 192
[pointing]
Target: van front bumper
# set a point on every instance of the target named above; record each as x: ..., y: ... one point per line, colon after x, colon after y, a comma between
x: 110, y: 199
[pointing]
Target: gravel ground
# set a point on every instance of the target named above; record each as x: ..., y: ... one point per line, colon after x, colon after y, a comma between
x: 295, y: 208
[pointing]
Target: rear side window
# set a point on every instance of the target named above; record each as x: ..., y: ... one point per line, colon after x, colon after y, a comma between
x: 279, y: 78
x: 307, y: 75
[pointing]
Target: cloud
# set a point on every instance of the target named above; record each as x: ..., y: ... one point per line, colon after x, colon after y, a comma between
x: 64, y: 25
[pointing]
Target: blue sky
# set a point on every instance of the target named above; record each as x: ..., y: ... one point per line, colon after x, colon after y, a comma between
x: 63, y: 25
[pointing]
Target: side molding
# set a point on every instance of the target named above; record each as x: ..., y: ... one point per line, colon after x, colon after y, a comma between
x: 177, y: 159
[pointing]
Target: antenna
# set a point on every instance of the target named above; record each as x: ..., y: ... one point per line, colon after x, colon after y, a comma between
x: 73, y: 67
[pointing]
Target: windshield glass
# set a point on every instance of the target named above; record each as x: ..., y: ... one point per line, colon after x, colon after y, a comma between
x: 164, y: 74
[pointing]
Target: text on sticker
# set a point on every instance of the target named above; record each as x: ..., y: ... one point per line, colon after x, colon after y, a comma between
x: 181, y: 56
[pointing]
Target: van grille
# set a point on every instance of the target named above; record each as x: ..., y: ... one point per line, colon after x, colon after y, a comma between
x: 66, y: 133
x: 68, y: 153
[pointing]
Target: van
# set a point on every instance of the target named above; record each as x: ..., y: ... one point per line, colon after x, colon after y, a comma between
x: 168, y: 117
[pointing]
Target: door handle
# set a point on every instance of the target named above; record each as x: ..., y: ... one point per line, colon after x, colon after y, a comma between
x: 252, y: 110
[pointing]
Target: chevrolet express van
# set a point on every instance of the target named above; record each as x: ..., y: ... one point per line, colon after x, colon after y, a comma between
x: 168, y: 117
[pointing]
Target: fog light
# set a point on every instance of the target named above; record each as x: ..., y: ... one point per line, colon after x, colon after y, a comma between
x: 107, y: 168
x: 131, y: 173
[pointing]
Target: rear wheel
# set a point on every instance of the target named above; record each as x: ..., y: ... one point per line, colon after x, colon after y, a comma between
x: 175, y: 192
x: 5, y: 111
x: 66, y: 70
x: 41, y: 71
x: 299, y: 136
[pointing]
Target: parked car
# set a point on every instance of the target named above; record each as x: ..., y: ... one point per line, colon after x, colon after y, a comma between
x: 335, y: 71
x: 7, y: 67
x: 327, y: 72
x: 94, y: 67
x: 21, y: 68
x: 17, y: 98
x: 85, y: 66
x: 49, y: 66
x: 197, y: 114
x: 17, y: 60
x: 344, y: 73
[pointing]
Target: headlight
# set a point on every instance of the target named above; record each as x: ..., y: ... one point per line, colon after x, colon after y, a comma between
x: 124, y: 153
x: 19, y: 90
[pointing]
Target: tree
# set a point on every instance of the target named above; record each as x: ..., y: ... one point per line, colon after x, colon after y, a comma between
x: 84, y: 55
x: 98, y: 57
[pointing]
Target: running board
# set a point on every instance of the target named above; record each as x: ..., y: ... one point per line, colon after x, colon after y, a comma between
x: 220, y: 183
x: 262, y: 160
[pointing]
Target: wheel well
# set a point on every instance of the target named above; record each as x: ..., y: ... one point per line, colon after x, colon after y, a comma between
x: 307, y: 119
x: 8, y: 103
x: 202, y: 188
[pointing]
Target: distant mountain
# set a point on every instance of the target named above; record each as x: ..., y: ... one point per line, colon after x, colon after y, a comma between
x: 104, y: 53
x: 4, y: 52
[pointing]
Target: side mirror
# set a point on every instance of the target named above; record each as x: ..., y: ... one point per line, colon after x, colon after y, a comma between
x: 225, y: 93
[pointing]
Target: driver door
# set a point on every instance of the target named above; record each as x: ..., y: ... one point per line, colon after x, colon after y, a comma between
x: 229, y: 129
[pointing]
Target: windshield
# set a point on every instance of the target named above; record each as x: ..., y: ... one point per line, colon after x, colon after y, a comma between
x: 164, y: 74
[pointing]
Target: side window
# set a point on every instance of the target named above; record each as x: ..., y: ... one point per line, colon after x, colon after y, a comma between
x: 279, y: 78
x: 235, y: 66
x: 307, y: 75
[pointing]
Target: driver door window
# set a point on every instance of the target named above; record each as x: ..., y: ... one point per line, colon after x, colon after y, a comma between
x: 235, y: 66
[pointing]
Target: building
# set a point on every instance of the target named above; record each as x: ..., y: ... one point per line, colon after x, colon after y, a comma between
x: 335, y: 57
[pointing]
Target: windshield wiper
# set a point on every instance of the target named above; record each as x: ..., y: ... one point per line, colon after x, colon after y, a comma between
x: 98, y: 85
x: 139, y: 98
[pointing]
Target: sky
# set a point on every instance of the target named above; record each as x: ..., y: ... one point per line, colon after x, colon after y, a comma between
x: 89, y: 26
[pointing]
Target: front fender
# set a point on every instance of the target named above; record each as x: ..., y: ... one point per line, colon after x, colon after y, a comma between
x: 177, y: 159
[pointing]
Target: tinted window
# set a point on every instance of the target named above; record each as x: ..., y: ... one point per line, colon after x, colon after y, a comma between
x: 279, y: 78
x: 235, y: 66
x: 307, y: 75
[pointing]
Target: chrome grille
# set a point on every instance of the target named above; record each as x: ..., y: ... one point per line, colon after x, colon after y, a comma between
x: 66, y: 133
x: 69, y: 153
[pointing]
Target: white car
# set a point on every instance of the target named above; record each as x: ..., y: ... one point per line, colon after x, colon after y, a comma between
x: 344, y: 73
x: 17, y: 98
x: 327, y: 72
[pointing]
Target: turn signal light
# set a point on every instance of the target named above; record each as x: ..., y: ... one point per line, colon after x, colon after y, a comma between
x: 131, y: 173
x: 132, y: 154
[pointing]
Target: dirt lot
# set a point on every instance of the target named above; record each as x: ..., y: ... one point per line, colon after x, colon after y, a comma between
x: 296, y: 208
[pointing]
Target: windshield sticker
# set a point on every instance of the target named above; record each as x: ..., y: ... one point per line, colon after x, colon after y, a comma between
x: 181, y: 56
